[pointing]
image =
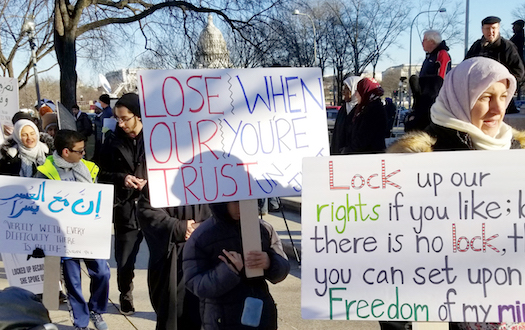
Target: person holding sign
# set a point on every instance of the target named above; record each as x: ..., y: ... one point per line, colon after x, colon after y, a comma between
x: 468, y: 115
x: 214, y: 263
x: 67, y: 164
x: 366, y: 132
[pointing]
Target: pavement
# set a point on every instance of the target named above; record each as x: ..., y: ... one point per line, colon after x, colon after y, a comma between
x: 286, y: 294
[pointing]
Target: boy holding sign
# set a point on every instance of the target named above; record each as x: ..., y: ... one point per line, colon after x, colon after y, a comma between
x: 67, y: 164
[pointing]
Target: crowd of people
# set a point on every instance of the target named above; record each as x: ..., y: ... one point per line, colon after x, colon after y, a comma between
x: 36, y: 150
x: 196, y: 269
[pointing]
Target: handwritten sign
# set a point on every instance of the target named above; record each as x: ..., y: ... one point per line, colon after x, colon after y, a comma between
x: 414, y: 237
x: 67, y: 219
x: 230, y: 134
x: 8, y: 104
x: 24, y: 273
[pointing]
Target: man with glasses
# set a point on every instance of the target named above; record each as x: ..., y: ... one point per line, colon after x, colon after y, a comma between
x: 122, y: 164
x: 67, y: 164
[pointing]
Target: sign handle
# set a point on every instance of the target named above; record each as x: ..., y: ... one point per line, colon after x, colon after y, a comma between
x: 250, y: 232
x: 430, y: 325
x: 51, y: 282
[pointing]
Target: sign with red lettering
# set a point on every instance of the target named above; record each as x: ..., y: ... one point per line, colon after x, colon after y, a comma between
x: 230, y: 134
x: 414, y: 237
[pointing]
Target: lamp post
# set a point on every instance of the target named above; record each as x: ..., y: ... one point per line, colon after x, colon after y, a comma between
x: 29, y: 28
x: 440, y: 10
x: 297, y: 12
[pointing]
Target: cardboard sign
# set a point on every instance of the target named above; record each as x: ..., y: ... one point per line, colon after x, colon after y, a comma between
x: 414, y: 237
x: 66, y: 219
x: 8, y: 105
x: 230, y: 134
x: 24, y: 273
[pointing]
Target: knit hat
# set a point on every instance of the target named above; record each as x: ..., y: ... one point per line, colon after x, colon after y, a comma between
x: 21, y: 115
x: 130, y: 101
x: 48, y: 120
x: 98, y: 105
x: 105, y: 98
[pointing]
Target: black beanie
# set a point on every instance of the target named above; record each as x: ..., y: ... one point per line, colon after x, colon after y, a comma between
x: 130, y: 101
x: 105, y: 98
x: 21, y: 115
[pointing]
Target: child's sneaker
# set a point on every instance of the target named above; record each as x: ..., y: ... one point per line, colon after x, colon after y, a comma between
x: 98, y: 321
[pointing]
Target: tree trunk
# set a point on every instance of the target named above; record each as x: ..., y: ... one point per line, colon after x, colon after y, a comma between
x: 65, y: 49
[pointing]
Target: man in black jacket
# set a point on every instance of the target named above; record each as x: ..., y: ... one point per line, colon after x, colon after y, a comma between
x: 84, y: 124
x: 122, y: 164
x: 494, y: 46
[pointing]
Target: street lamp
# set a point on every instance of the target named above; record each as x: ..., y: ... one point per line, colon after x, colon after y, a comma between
x: 29, y: 28
x: 440, y: 10
x: 297, y: 12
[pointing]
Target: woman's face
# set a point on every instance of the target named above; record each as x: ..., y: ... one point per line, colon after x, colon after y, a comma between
x: 347, y: 94
x: 489, y: 110
x: 233, y: 210
x: 28, y: 137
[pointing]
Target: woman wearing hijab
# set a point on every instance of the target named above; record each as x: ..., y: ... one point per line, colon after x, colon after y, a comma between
x: 468, y: 113
x: 343, y: 119
x: 366, y: 130
x: 23, y: 152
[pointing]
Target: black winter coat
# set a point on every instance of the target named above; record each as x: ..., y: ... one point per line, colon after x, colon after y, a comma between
x: 366, y: 132
x: 342, y: 121
x: 84, y: 125
x: 120, y: 156
x: 501, y: 50
x: 222, y: 292
x: 9, y: 164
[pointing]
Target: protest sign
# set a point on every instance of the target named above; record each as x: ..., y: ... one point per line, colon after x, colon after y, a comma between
x: 24, y: 273
x: 414, y: 237
x: 67, y: 219
x: 8, y: 104
x: 230, y: 134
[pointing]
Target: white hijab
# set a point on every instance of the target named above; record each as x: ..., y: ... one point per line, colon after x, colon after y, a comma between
x: 461, y: 89
x: 29, y: 156
x: 351, y: 83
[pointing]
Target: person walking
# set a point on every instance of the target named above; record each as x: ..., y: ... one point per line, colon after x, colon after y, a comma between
x: 122, y: 164
x: 67, y: 164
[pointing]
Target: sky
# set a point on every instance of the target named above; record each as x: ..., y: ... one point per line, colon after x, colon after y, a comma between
x: 398, y: 55
x: 478, y: 10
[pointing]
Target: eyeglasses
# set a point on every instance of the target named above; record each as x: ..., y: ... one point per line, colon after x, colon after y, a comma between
x: 123, y: 120
x: 80, y: 152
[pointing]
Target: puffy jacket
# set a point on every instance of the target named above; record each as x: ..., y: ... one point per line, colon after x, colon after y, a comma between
x: 222, y: 292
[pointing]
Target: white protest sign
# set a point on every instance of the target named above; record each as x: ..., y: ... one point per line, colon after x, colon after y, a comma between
x: 8, y: 104
x: 230, y: 134
x: 414, y: 237
x: 67, y: 219
x: 24, y: 273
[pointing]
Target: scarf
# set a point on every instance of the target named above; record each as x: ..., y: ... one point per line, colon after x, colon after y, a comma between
x: 29, y: 156
x: 351, y: 83
x: 369, y: 90
x: 461, y: 89
x: 80, y: 170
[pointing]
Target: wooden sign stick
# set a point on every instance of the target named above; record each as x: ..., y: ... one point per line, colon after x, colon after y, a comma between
x: 51, y: 282
x: 250, y: 232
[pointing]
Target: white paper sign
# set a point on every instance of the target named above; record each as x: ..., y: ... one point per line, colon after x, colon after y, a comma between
x: 414, y: 237
x: 24, y: 273
x: 67, y: 219
x: 230, y: 134
x: 8, y: 104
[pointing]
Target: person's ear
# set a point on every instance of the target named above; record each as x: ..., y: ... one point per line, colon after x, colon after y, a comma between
x: 65, y: 153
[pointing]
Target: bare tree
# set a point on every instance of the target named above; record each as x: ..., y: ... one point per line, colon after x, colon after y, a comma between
x: 13, y: 40
x: 450, y: 23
